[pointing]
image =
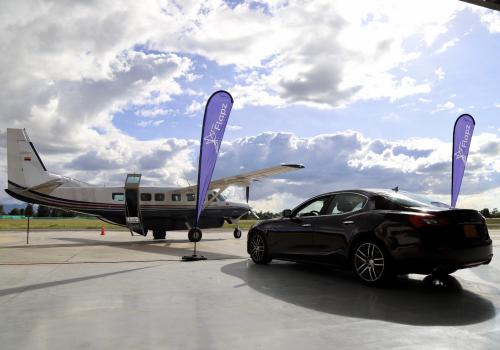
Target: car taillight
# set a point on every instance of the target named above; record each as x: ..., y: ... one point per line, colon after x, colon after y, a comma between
x: 427, y: 220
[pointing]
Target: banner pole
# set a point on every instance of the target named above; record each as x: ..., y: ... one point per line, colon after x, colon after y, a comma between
x: 28, y: 232
x: 217, y: 111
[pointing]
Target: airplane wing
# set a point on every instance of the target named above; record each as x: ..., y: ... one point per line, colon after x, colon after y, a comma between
x: 245, y: 179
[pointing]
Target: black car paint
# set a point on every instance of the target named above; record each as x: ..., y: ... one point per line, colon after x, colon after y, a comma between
x: 330, y: 238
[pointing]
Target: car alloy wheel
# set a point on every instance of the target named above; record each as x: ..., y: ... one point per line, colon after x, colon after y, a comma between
x: 258, y: 251
x: 369, y: 262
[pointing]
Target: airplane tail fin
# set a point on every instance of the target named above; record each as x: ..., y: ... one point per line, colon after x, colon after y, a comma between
x: 25, y: 167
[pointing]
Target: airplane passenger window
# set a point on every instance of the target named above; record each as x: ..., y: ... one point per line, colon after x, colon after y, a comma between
x: 119, y: 197
x: 159, y: 197
x: 176, y: 197
x: 190, y: 197
x: 145, y: 197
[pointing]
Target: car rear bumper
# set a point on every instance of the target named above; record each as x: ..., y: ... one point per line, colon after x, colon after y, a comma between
x: 446, y: 259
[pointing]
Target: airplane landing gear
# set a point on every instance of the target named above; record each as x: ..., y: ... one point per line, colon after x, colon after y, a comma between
x: 159, y: 234
x: 237, y: 233
x: 194, y: 235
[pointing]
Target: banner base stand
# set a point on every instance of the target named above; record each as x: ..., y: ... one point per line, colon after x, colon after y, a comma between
x: 193, y: 257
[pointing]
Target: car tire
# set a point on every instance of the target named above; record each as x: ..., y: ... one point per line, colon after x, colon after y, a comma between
x: 258, y: 249
x: 372, y: 263
x: 237, y: 233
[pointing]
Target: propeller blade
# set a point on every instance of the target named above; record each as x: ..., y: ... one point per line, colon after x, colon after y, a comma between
x: 248, y: 193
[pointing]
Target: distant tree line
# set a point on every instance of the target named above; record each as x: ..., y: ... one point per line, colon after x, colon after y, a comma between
x: 42, y: 212
x: 263, y: 215
x: 46, y: 212
x: 494, y: 213
x: 487, y: 213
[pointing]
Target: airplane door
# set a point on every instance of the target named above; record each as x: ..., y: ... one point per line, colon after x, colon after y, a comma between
x: 133, y: 215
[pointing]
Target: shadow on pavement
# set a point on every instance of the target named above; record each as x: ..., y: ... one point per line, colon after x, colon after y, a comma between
x: 21, y: 289
x: 83, y: 242
x: 166, y: 249
x: 407, y: 301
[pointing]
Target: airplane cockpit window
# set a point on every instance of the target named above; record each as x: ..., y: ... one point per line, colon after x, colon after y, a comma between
x: 210, y: 197
x: 119, y: 197
x: 133, y: 179
x: 191, y: 197
x: 145, y: 197
x: 221, y: 198
x: 159, y: 197
x: 176, y: 197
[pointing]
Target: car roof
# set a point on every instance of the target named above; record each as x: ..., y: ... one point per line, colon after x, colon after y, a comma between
x: 366, y: 192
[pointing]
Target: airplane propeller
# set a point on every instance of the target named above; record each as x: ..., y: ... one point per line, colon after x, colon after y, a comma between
x: 247, y: 193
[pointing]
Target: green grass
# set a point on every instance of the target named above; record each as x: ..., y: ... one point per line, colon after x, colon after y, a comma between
x: 78, y: 224
x: 493, y: 224
x: 244, y: 224
x: 96, y: 224
x: 57, y: 224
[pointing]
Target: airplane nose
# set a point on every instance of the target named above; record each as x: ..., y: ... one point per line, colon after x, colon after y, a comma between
x: 242, y: 206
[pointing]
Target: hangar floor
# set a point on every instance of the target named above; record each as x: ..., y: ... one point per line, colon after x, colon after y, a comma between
x: 81, y: 290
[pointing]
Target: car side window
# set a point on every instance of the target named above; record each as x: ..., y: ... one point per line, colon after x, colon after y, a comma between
x: 313, y: 208
x: 346, y: 203
x: 385, y: 204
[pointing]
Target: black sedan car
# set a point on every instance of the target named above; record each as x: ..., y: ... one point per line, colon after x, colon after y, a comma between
x: 376, y: 233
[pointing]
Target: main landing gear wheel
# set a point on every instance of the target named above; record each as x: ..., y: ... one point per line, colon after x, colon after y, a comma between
x: 371, y: 263
x: 159, y: 234
x: 258, y: 249
x: 194, y: 235
x: 237, y: 233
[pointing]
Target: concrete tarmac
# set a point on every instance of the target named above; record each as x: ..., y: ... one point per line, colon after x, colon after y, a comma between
x: 80, y: 290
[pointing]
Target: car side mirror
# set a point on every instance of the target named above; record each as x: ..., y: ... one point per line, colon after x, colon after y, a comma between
x: 287, y: 213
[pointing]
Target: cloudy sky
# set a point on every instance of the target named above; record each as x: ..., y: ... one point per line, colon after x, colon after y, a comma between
x: 363, y: 93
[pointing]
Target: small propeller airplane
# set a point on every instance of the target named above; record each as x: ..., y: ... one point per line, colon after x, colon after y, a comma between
x: 140, y: 209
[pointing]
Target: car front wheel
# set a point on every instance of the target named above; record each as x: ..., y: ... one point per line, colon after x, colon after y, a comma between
x: 258, y: 249
x: 371, y: 263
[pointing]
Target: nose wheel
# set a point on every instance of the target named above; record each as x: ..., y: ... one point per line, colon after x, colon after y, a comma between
x: 194, y: 235
x: 237, y: 233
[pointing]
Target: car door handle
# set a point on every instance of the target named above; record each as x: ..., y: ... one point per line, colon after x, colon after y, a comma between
x: 306, y: 225
x: 350, y: 222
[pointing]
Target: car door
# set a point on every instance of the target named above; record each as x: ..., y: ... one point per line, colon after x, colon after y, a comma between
x: 332, y: 230
x: 293, y: 237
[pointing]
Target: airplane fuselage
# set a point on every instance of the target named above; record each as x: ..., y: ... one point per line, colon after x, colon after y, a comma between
x: 139, y: 208
x: 161, y: 208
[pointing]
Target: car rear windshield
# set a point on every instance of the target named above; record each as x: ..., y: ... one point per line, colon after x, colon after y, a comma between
x: 408, y: 199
